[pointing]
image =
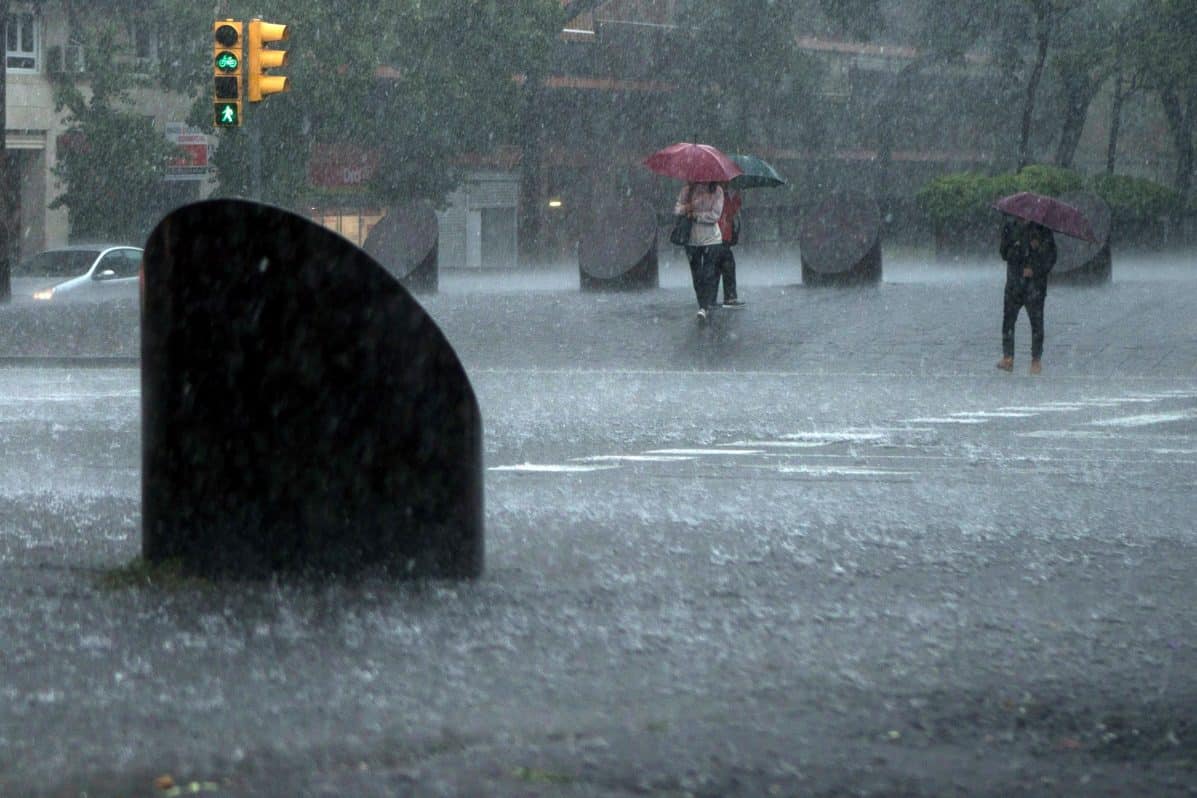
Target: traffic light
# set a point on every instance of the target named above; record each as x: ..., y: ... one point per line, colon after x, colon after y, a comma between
x: 227, y: 72
x: 260, y: 59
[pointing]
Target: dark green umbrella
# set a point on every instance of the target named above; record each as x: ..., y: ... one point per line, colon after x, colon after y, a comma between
x: 757, y: 173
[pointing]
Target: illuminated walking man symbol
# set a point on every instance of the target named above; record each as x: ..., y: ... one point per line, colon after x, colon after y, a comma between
x: 228, y: 116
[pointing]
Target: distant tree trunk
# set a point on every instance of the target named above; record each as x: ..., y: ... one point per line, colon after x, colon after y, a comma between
x: 1079, y: 91
x: 1115, y: 123
x: 6, y: 202
x: 532, y: 200
x: 1044, y: 23
x: 885, y: 121
x: 1179, y: 114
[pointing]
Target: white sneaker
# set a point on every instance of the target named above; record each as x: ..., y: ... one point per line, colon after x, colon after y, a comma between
x: 733, y: 303
x: 702, y: 316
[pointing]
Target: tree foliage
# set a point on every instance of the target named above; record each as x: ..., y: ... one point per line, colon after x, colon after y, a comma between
x: 743, y: 83
x: 112, y: 159
x: 963, y: 199
x: 1164, y: 51
x: 419, y: 84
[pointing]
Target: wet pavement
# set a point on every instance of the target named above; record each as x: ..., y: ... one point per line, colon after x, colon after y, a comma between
x: 818, y: 547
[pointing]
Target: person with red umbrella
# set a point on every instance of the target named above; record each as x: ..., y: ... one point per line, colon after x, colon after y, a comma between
x: 706, y: 170
x: 703, y: 204
x: 1029, y: 250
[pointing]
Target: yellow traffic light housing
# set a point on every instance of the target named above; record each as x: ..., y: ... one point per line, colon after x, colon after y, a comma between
x: 260, y: 59
x: 227, y: 72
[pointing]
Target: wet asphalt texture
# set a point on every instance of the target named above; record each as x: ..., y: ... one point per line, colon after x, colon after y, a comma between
x: 817, y: 547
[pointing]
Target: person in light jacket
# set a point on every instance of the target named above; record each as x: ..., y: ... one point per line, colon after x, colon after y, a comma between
x: 703, y: 203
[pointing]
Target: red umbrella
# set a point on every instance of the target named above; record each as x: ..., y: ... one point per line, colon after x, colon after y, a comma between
x: 1049, y: 212
x: 695, y: 163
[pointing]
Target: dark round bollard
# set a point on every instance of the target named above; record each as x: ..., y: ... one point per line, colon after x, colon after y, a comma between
x: 300, y: 410
x: 1084, y: 262
x: 841, y: 241
x: 405, y: 241
x: 618, y: 249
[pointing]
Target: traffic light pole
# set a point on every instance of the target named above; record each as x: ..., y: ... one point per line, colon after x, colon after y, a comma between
x: 255, y: 159
x: 230, y: 78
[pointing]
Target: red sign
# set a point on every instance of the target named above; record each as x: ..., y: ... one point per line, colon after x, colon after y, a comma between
x: 341, y: 165
x: 193, y: 154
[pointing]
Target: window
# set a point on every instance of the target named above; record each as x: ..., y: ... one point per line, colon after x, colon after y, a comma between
x: 21, y: 41
x: 355, y: 224
x: 124, y: 262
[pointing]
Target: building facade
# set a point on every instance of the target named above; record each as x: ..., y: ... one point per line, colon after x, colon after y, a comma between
x: 41, y: 47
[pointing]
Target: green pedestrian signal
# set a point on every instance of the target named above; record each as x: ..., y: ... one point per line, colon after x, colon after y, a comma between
x: 227, y: 115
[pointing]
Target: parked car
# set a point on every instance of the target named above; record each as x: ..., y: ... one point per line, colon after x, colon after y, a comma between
x: 81, y: 272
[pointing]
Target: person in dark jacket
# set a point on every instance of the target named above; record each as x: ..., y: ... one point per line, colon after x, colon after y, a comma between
x: 725, y: 259
x: 1029, y: 250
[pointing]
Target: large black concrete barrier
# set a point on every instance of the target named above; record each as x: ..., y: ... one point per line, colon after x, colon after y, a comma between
x: 841, y: 241
x: 300, y: 410
x: 1085, y: 262
x: 406, y: 243
x: 618, y: 247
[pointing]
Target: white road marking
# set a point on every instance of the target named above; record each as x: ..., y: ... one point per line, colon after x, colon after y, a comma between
x: 704, y: 452
x: 992, y: 414
x: 539, y: 468
x: 68, y: 397
x: 816, y: 373
x: 632, y: 458
x: 843, y: 471
x: 834, y: 437
x: 788, y: 444
x: 1109, y: 435
x: 797, y: 445
x: 1145, y: 420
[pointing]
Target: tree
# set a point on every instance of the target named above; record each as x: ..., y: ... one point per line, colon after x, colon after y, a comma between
x: 743, y: 83
x: 111, y: 158
x: 1046, y: 16
x: 419, y: 85
x: 1127, y: 76
x: 1165, y: 51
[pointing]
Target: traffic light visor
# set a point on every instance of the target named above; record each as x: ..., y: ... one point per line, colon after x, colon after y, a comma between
x: 226, y: 35
x: 272, y: 31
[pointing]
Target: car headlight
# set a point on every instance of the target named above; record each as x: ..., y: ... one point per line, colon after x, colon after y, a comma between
x: 45, y: 293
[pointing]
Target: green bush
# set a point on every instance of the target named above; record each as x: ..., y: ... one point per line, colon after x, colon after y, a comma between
x: 1134, y: 199
x: 964, y: 199
x: 951, y: 199
x: 1051, y: 181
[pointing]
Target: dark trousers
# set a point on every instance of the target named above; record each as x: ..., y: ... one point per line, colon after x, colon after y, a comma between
x: 705, y: 275
x: 1030, y: 294
x: 725, y: 265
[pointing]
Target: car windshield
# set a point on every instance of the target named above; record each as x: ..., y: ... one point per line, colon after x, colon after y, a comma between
x: 57, y: 263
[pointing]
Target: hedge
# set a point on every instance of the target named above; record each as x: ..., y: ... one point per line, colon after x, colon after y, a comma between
x: 1133, y: 199
x: 964, y: 198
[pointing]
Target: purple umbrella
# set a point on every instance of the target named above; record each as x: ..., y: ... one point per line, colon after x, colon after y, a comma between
x: 1049, y: 212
